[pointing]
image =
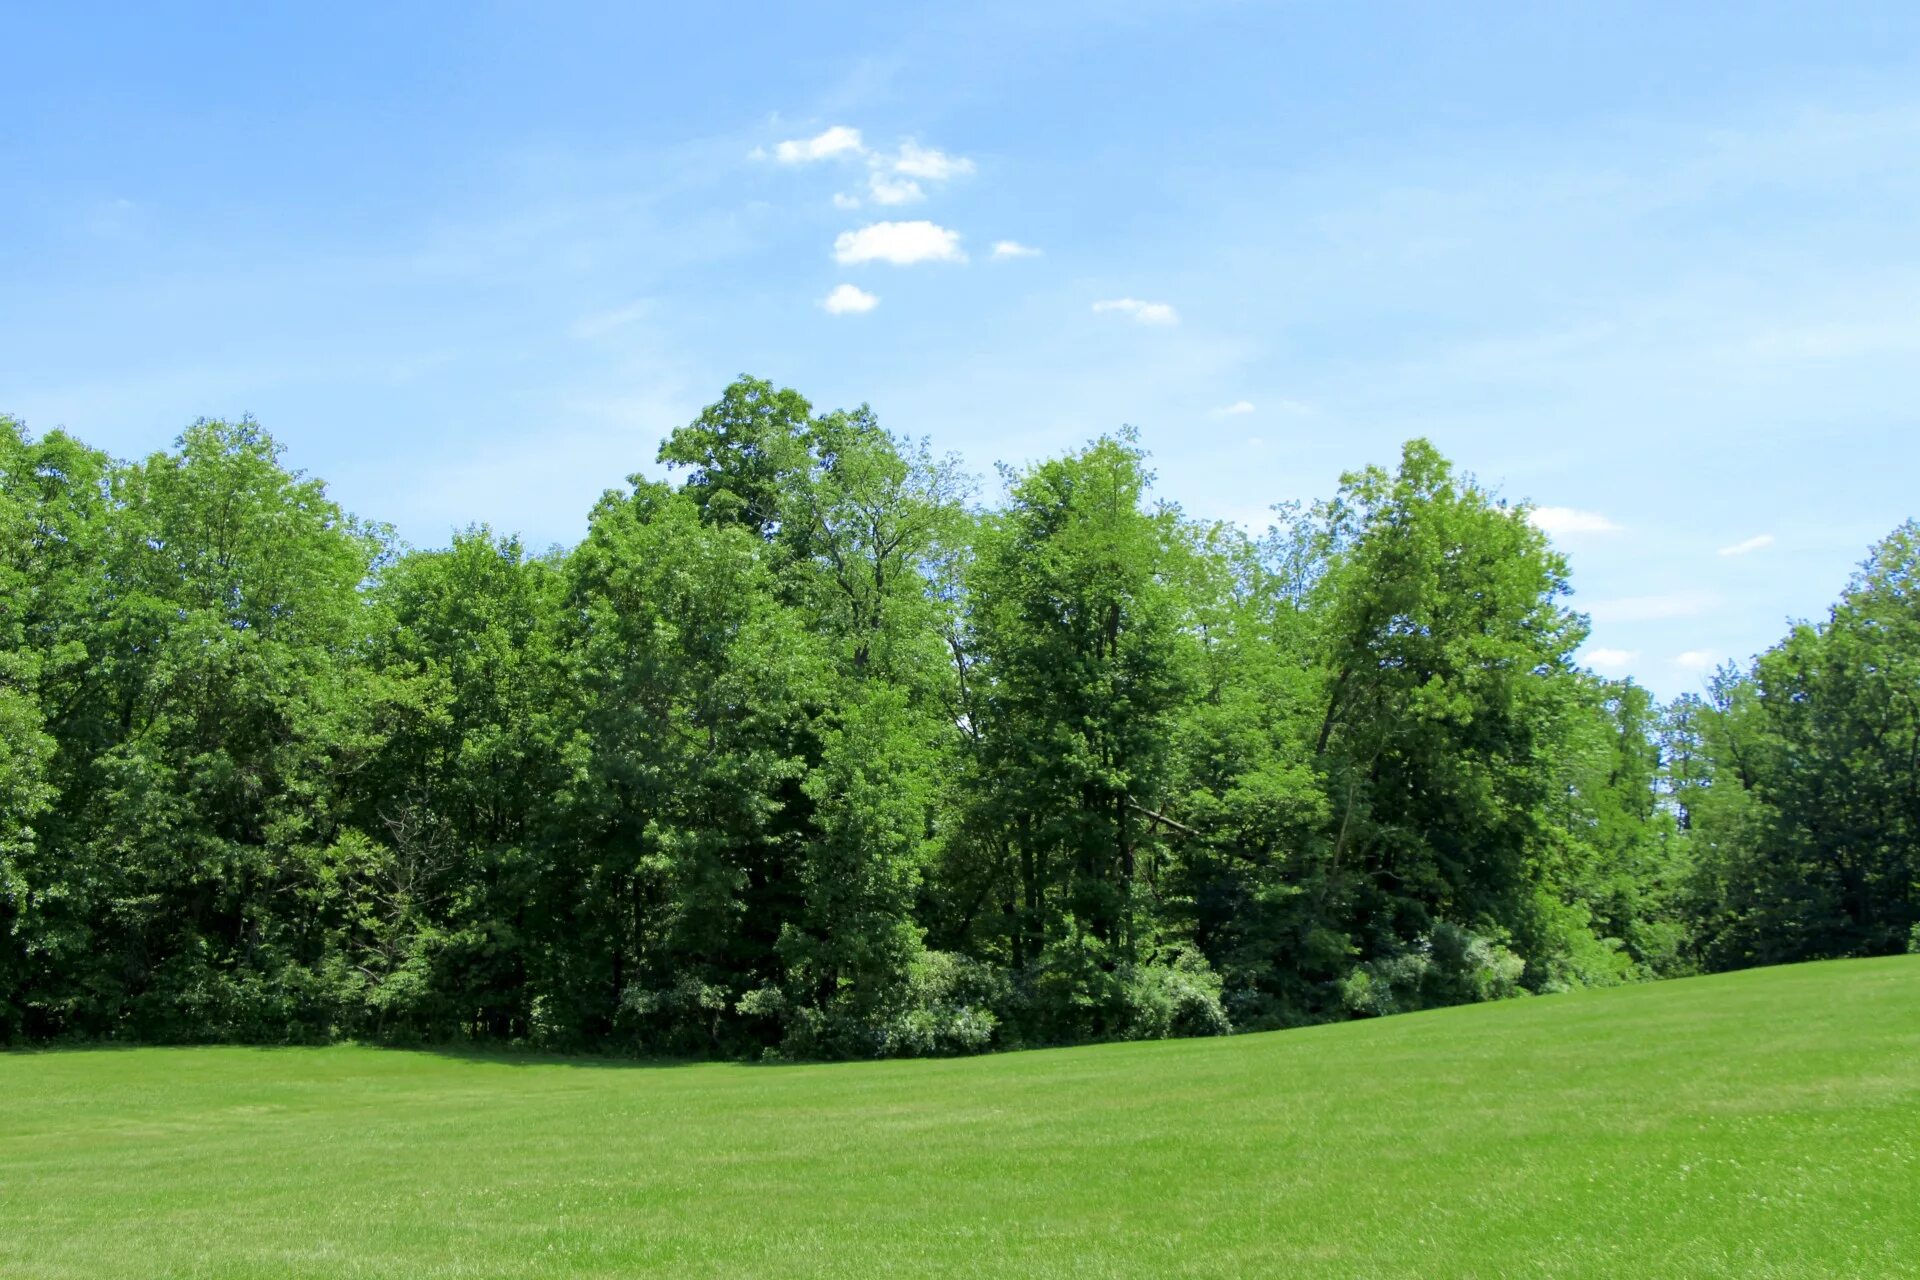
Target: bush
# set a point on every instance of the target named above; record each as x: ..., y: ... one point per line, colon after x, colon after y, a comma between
x: 949, y: 1008
x: 1176, y: 997
x: 1451, y: 965
x: 1570, y: 955
x: 1468, y: 967
x: 1389, y: 984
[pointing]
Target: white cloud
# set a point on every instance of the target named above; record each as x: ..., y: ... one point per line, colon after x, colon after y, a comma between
x: 1757, y: 543
x: 1142, y: 312
x: 901, y: 243
x: 1568, y: 520
x: 849, y: 298
x: 893, y: 177
x: 839, y: 140
x: 1696, y: 659
x: 1013, y: 249
x: 1272, y: 408
x: 925, y: 162
x: 1674, y: 604
x: 888, y: 190
x: 1611, y: 659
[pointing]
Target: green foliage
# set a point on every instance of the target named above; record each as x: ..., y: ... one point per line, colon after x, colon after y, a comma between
x: 948, y: 1008
x: 1084, y: 657
x: 1802, y: 791
x: 805, y: 756
x: 1448, y: 692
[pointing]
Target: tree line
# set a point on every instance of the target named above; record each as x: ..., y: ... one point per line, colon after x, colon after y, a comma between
x: 810, y: 753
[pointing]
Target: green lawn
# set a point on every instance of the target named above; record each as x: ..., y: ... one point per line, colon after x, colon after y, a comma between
x: 1755, y: 1124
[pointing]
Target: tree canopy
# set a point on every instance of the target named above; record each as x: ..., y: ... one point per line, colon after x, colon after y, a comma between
x: 807, y: 752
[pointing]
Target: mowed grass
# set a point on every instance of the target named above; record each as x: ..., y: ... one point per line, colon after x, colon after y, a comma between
x: 1755, y: 1124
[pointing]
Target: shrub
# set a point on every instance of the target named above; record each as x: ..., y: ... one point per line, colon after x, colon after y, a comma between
x: 949, y: 1008
x: 1178, y: 996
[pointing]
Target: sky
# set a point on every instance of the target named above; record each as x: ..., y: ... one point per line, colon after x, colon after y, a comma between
x: 1654, y: 269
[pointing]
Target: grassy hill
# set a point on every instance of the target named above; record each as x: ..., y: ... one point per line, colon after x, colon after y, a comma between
x: 1755, y: 1124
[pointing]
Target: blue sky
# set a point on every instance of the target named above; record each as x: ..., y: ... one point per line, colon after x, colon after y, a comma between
x: 1653, y: 268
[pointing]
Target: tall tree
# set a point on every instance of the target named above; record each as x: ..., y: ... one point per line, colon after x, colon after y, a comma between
x: 450, y: 814
x: 1448, y: 687
x: 688, y: 810
x: 223, y: 660
x: 1082, y: 637
x: 1815, y: 854
x: 37, y: 586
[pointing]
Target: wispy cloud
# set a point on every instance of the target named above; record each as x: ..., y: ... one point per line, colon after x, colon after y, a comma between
x: 1013, y: 249
x: 841, y: 200
x: 1759, y: 542
x: 1611, y: 659
x: 894, y: 177
x: 887, y: 189
x: 927, y: 162
x: 900, y: 243
x: 1142, y: 312
x: 836, y: 141
x: 1568, y: 520
x: 1696, y: 660
x: 849, y: 298
x: 1235, y: 409
x: 602, y: 323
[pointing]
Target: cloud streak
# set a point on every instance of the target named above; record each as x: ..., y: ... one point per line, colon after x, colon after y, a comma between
x: 1759, y: 542
x: 934, y: 165
x: 1563, y: 520
x: 836, y: 141
x: 1141, y: 312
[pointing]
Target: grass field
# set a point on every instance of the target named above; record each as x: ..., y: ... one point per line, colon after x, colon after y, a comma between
x: 1755, y: 1124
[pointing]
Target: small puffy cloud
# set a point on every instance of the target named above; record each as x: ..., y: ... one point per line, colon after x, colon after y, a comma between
x: 841, y: 200
x: 1235, y: 409
x: 1674, y: 604
x: 849, y: 298
x: 1142, y: 312
x: 925, y: 162
x: 1013, y: 249
x: 1696, y: 659
x: 837, y: 141
x: 889, y: 190
x: 1758, y: 542
x: 1568, y: 520
x: 1611, y: 659
x: 900, y: 243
